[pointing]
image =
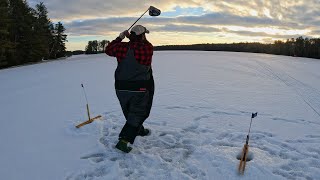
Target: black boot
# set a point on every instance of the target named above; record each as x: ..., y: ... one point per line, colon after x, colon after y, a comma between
x: 144, y: 132
x: 122, y: 145
x: 128, y: 133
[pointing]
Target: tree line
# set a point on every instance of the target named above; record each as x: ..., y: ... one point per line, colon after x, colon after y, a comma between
x: 95, y: 47
x: 299, y: 47
x: 28, y: 35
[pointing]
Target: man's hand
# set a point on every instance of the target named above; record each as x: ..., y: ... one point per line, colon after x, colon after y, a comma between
x: 124, y: 34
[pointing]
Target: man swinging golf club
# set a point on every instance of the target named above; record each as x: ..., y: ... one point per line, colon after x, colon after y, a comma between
x: 134, y: 82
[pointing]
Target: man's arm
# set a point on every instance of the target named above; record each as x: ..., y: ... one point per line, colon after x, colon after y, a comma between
x: 112, y: 47
x: 116, y: 44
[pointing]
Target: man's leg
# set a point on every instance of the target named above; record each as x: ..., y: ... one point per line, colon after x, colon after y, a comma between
x: 136, y: 116
x: 143, y: 131
x: 124, y: 99
x: 137, y: 103
x: 127, y: 131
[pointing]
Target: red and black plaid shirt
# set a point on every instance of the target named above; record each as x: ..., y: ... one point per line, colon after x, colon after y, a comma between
x: 143, y: 51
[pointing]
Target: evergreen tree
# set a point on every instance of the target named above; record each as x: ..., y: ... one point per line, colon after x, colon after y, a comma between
x: 27, y: 34
x: 5, y: 44
x: 42, y: 31
x: 52, y: 40
x: 21, y: 31
x: 58, y: 47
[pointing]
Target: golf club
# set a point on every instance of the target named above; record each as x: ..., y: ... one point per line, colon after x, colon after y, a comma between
x: 152, y: 12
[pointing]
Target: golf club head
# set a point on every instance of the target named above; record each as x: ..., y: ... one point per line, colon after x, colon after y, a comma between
x: 154, y: 11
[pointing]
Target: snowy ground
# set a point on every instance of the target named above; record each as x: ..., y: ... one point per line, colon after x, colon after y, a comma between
x: 201, y: 113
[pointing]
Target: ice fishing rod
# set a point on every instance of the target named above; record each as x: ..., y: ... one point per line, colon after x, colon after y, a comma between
x: 88, y: 111
x: 252, y: 116
x: 152, y: 12
x: 245, y: 149
x: 85, y: 95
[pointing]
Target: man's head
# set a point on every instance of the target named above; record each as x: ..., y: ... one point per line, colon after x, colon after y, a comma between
x: 137, y: 33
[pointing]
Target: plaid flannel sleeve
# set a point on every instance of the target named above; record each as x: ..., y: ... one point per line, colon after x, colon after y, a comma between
x: 116, y: 48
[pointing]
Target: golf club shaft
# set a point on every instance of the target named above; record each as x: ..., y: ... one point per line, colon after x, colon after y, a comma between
x: 138, y: 19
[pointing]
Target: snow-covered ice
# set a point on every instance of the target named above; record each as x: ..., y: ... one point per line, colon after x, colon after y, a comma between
x: 199, y: 121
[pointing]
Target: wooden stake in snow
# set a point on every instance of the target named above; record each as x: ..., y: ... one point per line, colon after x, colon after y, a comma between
x: 245, y: 149
x: 88, y: 112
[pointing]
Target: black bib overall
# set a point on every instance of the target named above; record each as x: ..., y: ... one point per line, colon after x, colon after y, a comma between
x: 134, y: 86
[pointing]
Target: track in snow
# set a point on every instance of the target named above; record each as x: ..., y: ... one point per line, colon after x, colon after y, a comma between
x: 197, y: 149
x: 310, y: 95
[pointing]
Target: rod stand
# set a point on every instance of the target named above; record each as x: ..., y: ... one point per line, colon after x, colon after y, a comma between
x: 88, y: 121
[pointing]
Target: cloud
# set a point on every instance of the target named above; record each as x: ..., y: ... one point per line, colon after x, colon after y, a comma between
x: 108, y: 18
x: 286, y: 13
x: 67, y: 10
x: 186, y: 28
x: 202, y: 23
x: 229, y: 19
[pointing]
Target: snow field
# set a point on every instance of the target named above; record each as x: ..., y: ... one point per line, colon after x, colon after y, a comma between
x: 199, y: 121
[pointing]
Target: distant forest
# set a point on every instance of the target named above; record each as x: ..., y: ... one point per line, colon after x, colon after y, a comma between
x: 95, y: 47
x: 28, y: 35
x: 299, y: 47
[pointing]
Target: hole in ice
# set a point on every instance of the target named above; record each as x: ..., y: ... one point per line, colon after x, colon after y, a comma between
x: 250, y: 156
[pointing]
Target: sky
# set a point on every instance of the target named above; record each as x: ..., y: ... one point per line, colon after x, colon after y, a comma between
x: 187, y: 21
